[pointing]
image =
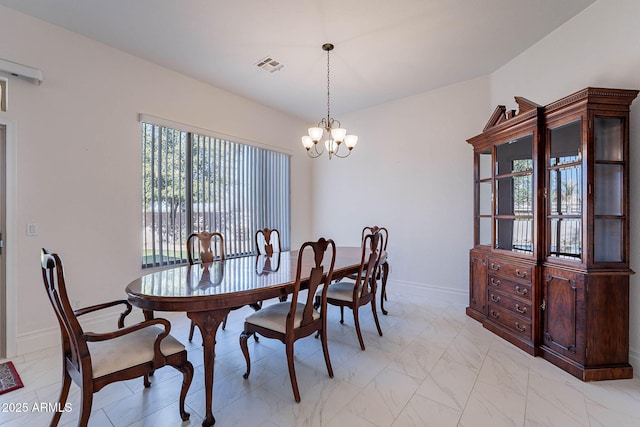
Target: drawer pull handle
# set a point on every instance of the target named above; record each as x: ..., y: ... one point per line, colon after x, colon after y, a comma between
x: 495, y: 267
x: 521, y: 274
x: 521, y: 291
x: 494, y: 314
x: 495, y: 298
x: 495, y: 282
x: 520, y: 328
x: 522, y: 310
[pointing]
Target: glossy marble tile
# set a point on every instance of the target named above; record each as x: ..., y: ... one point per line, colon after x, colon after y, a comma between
x: 554, y: 401
x: 421, y: 411
x: 382, y: 400
x: 493, y: 406
x: 433, y: 366
x: 449, y: 383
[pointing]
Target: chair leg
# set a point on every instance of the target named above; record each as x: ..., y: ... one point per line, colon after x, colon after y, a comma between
x: 342, y: 314
x: 256, y: 306
x: 64, y: 393
x: 375, y: 315
x: 325, y: 350
x: 224, y: 323
x: 187, y: 376
x: 383, y: 294
x: 85, y: 406
x: 245, y: 350
x: 191, y: 329
x: 292, y: 371
x: 356, y: 321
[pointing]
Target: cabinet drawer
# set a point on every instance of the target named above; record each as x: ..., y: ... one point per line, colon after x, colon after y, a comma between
x: 498, y: 299
x: 509, y: 287
x: 513, y: 322
x: 519, y: 272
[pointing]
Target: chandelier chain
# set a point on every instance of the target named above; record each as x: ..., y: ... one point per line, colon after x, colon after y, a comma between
x: 328, y: 91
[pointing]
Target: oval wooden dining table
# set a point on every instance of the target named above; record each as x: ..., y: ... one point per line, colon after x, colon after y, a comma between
x: 207, y: 292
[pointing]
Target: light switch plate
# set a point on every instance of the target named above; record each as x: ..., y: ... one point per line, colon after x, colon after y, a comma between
x: 32, y: 229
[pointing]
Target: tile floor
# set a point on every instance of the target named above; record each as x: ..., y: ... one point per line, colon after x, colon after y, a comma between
x: 434, y: 366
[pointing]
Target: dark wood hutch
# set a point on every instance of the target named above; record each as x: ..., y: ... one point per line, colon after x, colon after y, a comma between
x: 549, y: 270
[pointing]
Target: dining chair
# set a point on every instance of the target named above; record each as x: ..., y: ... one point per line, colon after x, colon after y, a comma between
x: 267, y: 241
x: 268, y: 247
x: 382, y: 273
x: 208, y: 253
x: 358, y: 292
x: 93, y: 360
x: 290, y: 321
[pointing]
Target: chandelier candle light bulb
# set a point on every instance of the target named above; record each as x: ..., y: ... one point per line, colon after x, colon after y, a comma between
x: 336, y: 134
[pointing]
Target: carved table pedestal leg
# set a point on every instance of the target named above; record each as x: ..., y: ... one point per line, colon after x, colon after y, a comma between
x: 208, y: 322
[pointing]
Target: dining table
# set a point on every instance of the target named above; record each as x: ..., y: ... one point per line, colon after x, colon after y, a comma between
x: 208, y: 292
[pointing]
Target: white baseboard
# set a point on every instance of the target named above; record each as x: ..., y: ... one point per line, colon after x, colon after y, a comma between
x: 107, y: 320
x: 422, y: 289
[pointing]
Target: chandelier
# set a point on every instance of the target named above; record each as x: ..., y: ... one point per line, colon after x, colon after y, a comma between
x: 335, y: 133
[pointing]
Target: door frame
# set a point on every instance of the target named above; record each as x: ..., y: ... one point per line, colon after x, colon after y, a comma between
x: 10, y: 237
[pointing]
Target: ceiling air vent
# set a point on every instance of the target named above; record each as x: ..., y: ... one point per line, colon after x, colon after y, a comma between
x: 269, y: 64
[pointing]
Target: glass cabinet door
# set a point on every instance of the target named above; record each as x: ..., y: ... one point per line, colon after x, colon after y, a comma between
x: 609, y: 172
x: 514, y: 195
x: 485, y: 198
x: 564, y: 194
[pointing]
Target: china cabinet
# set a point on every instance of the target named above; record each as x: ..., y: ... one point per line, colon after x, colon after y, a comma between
x: 549, y: 270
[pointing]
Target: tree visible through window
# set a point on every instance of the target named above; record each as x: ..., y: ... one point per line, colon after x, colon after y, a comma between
x: 194, y: 182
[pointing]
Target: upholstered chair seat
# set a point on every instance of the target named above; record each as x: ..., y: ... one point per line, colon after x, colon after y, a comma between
x: 274, y: 317
x: 128, y: 350
x: 342, y: 291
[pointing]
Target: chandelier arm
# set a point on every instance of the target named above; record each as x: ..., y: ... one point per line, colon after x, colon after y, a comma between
x: 315, y: 148
x: 313, y: 156
x: 335, y: 153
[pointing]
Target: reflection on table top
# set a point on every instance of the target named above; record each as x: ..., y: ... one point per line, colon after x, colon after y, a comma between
x: 225, y: 283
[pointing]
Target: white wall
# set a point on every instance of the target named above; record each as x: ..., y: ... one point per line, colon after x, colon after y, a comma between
x: 600, y: 47
x: 78, y: 159
x: 412, y: 171
x: 413, y: 158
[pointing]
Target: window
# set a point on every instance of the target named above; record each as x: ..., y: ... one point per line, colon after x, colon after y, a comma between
x: 193, y: 182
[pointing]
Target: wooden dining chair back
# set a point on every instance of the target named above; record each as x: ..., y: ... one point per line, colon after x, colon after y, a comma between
x: 93, y: 360
x: 384, y: 234
x: 361, y: 290
x: 290, y: 321
x: 382, y: 273
x: 267, y: 241
x: 209, y: 245
x: 268, y: 247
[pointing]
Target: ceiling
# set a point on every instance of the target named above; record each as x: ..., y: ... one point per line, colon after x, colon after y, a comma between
x: 384, y: 49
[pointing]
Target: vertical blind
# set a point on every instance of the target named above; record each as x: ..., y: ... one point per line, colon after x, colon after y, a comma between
x: 194, y: 182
